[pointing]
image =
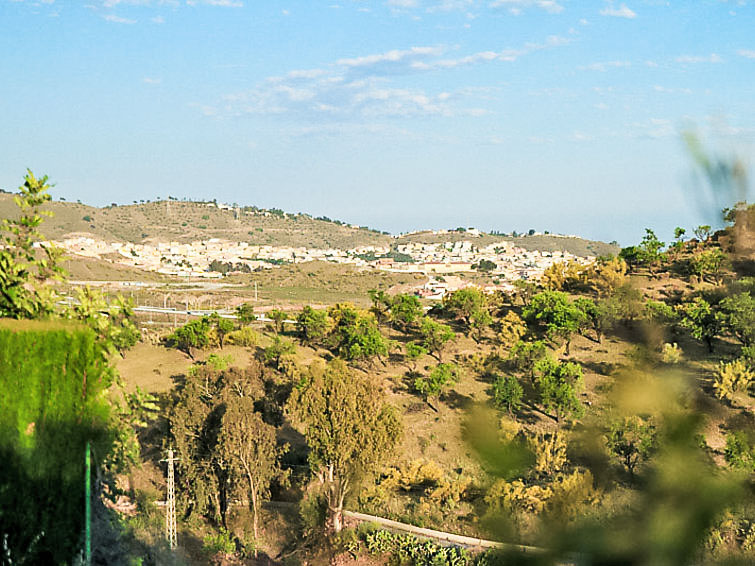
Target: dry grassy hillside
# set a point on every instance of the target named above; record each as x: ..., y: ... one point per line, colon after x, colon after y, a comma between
x: 546, y: 242
x: 188, y: 221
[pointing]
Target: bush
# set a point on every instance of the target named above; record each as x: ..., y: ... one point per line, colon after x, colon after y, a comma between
x: 671, y: 354
x: 507, y: 394
x: 220, y: 542
x: 732, y: 377
x: 245, y: 336
x: 550, y: 452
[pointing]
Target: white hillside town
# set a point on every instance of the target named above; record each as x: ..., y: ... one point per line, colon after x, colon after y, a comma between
x: 213, y: 258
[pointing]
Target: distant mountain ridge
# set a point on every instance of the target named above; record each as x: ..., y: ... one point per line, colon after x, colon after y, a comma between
x: 185, y: 221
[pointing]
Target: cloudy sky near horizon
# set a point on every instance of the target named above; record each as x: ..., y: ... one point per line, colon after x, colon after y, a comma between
x: 558, y: 115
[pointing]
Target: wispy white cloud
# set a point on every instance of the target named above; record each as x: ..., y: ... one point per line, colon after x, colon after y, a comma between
x: 152, y: 80
x: 505, y: 55
x: 393, y: 56
x: 748, y: 53
x: 604, y: 66
x: 623, y: 11
x: 117, y: 19
x: 221, y: 3
x: 516, y: 6
x: 403, y: 3
x: 712, y: 58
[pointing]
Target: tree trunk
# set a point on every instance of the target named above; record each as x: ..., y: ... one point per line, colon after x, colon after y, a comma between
x: 253, y: 493
x: 336, y: 494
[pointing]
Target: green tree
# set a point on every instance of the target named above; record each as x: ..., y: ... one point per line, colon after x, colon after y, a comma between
x: 413, y: 353
x: 349, y: 427
x: 440, y: 378
x: 507, y: 394
x: 248, y: 447
x: 651, y: 247
x: 524, y: 355
x: 465, y: 303
x: 708, y: 263
x: 23, y: 273
x: 192, y: 335
x: 485, y: 266
x: 223, y: 327
x: 702, y: 232
x: 738, y: 452
x: 737, y: 314
x: 405, y: 310
x: 381, y: 304
x: 355, y: 335
x: 245, y: 314
x: 699, y: 317
x: 278, y: 317
x: 435, y: 336
x: 313, y: 325
x: 631, y: 441
x: 209, y: 473
x: 512, y: 328
x: 278, y: 348
x: 113, y: 323
x: 559, y: 384
x: 560, y: 317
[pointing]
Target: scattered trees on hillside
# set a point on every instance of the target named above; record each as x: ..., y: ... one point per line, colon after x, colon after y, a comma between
x: 349, y: 429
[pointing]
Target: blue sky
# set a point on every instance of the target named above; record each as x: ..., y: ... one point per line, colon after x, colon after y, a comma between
x: 557, y: 115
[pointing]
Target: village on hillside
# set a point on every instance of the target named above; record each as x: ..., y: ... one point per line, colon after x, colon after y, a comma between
x: 214, y: 258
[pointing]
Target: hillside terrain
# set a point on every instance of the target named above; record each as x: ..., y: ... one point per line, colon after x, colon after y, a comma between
x: 583, y: 456
x: 182, y: 221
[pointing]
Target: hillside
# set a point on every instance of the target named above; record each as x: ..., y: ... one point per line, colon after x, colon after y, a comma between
x: 189, y: 221
x: 542, y: 242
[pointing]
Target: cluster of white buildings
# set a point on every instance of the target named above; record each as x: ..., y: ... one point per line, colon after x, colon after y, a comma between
x: 194, y: 259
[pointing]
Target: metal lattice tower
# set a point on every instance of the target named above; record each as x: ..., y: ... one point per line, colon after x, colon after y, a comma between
x: 170, y: 507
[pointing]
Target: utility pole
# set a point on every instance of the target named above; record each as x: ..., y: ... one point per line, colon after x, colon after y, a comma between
x: 170, y: 506
x: 255, y: 291
x: 87, y: 507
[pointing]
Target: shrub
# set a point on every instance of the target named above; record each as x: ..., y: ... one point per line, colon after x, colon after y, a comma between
x: 732, y: 377
x: 738, y: 453
x: 671, y: 354
x: 508, y: 429
x: 245, y: 336
x: 507, y: 394
x: 550, y: 452
x: 220, y: 542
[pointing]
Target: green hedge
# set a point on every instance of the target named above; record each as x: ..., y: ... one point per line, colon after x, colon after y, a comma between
x: 53, y: 378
